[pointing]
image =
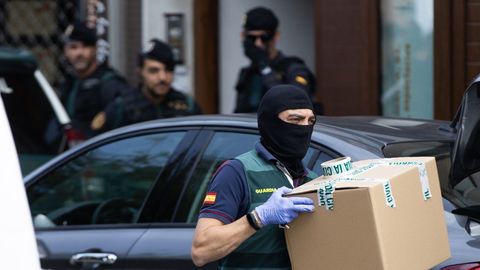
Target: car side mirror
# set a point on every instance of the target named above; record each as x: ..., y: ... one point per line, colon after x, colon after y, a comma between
x: 473, y: 228
x: 466, y: 151
x: 472, y: 213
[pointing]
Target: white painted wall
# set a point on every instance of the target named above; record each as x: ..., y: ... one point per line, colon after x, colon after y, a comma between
x: 297, y: 37
x: 154, y: 26
x: 116, y: 35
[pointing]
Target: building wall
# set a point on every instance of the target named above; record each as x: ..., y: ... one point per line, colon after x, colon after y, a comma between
x: 472, y: 25
x: 297, y: 37
x: 457, y: 52
x: 116, y: 36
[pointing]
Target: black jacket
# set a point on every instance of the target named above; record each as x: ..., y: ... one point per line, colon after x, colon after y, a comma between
x: 252, y: 85
x: 134, y: 107
x: 84, y: 99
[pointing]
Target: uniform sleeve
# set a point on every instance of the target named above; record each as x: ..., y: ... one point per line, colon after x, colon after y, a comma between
x: 114, y: 113
x: 226, y: 198
x: 299, y: 75
x: 114, y: 88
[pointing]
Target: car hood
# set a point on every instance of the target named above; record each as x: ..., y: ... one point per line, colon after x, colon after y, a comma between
x: 466, y: 151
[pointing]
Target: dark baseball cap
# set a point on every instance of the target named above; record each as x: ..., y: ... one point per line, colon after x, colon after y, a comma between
x: 260, y: 18
x: 159, y: 51
x: 79, y: 31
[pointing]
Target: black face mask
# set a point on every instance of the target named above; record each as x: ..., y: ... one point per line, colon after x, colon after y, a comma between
x: 287, y: 142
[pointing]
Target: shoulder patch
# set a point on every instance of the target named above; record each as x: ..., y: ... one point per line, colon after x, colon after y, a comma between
x: 210, y: 198
x: 98, y: 121
x: 178, y: 105
x: 301, y: 80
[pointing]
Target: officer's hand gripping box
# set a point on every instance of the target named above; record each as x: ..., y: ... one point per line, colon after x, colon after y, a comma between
x: 382, y: 214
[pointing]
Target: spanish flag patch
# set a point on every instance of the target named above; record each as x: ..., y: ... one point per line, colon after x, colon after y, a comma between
x: 210, y: 198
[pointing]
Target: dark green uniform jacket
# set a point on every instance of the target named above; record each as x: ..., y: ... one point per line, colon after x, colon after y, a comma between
x: 252, y: 85
x: 85, y: 99
x: 134, y: 107
x: 266, y: 249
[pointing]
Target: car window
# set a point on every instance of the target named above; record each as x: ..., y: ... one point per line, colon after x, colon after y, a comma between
x: 223, y: 146
x: 322, y: 157
x: 106, y: 185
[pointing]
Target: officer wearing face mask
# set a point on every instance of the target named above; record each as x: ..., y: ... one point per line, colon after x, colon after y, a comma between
x: 238, y: 222
x: 268, y: 65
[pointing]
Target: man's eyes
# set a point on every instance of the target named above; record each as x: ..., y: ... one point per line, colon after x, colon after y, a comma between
x: 295, y: 120
x: 153, y: 70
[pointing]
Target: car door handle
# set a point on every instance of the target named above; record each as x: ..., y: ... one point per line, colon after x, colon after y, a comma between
x: 93, y: 258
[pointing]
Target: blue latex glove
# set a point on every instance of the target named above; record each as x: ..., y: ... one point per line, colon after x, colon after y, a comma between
x: 281, y: 210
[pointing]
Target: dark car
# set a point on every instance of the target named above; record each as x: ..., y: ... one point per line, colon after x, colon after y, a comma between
x: 129, y: 198
x: 34, y: 111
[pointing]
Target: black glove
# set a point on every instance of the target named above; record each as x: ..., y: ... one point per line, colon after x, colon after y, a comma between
x: 258, y: 56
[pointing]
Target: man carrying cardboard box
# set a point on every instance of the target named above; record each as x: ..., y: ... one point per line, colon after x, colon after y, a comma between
x: 238, y: 223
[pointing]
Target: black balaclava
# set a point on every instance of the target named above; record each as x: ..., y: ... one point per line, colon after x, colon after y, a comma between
x: 287, y: 142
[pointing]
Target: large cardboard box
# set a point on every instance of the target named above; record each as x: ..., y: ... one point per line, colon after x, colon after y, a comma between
x: 384, y: 214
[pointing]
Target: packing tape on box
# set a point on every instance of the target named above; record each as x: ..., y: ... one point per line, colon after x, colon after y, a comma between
x: 325, y: 194
x: 326, y: 189
x: 387, y: 192
x: 422, y: 170
x: 338, y: 166
x: 343, y: 167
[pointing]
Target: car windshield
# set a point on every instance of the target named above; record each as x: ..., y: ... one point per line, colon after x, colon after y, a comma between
x: 465, y: 194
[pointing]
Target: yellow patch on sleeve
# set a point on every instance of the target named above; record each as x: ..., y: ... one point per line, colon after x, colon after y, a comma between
x: 98, y: 121
x: 301, y: 80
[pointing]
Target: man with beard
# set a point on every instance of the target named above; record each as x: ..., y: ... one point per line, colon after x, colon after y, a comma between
x: 239, y: 221
x: 90, y: 86
x: 155, y: 97
x: 268, y: 65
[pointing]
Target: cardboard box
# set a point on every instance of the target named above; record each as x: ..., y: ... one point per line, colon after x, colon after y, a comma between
x: 364, y: 229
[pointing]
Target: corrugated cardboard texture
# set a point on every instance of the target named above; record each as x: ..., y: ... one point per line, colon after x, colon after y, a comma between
x: 362, y: 232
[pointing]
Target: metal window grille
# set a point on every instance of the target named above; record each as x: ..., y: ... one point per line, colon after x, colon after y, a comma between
x: 38, y: 26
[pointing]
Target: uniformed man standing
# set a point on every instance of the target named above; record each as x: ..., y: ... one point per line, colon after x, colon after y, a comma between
x: 90, y: 87
x: 155, y: 97
x: 269, y: 66
x: 244, y: 204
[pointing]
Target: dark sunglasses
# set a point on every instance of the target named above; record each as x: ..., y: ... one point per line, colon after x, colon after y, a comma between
x: 264, y: 37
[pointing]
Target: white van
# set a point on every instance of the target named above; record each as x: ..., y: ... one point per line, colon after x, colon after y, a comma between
x: 18, y: 249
